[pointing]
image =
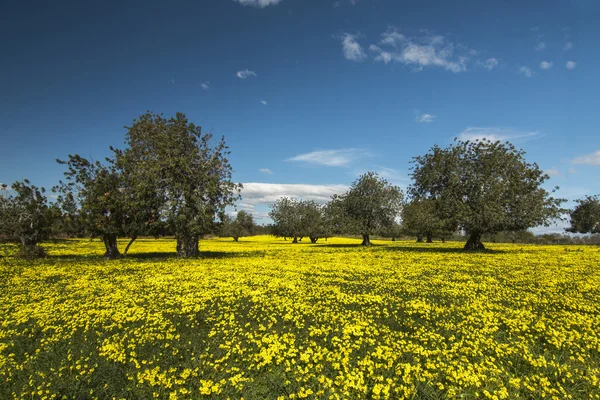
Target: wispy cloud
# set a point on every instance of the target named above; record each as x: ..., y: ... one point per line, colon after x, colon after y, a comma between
x: 424, y: 118
x: 489, y: 64
x: 205, y: 85
x: 546, y: 65
x: 264, y: 102
x: 568, y: 46
x: 495, y: 134
x: 353, y: 51
x: 540, y: 46
x: 425, y: 51
x: 571, y: 64
x: 567, y: 36
x: 588, y: 159
x: 526, y: 71
x: 330, y: 158
x: 552, y: 171
x: 266, y: 171
x: 258, y: 3
x: 245, y: 74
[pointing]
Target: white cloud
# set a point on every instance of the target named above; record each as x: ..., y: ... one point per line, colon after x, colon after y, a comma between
x: 264, y: 102
x: 495, y: 134
x: 205, y: 85
x: 571, y: 64
x: 266, y: 171
x: 245, y: 74
x: 254, y: 193
x: 426, y: 51
x: 490, y: 63
x: 425, y: 118
x: 353, y: 51
x: 546, y: 65
x: 552, y: 171
x: 258, y: 3
x: 540, y: 46
x: 526, y: 71
x: 572, y: 170
x: 330, y: 158
x: 568, y: 46
x: 588, y: 159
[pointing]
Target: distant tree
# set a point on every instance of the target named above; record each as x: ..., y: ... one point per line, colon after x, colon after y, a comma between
x: 585, y: 217
x: 421, y: 218
x: 173, y: 159
x: 313, y: 223
x: 485, y: 187
x: 394, y: 231
x: 67, y: 219
x: 240, y: 226
x: 25, y: 216
x: 285, y: 214
x: 370, y: 205
x: 97, y: 194
x: 297, y: 219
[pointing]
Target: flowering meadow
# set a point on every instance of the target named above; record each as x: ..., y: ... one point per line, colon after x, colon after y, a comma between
x: 267, y: 319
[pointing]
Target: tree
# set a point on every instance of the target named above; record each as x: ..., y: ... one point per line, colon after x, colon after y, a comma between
x: 242, y: 225
x: 175, y: 161
x: 585, y: 217
x: 298, y: 218
x: 484, y: 187
x: 25, y: 216
x: 370, y: 206
x: 100, y: 196
x: 421, y: 218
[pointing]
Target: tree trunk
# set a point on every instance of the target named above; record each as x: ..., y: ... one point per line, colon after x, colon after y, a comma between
x: 313, y: 239
x: 112, y: 249
x: 235, y: 238
x: 443, y: 240
x: 129, y: 245
x: 419, y: 238
x: 295, y: 239
x: 393, y: 239
x: 187, y: 246
x: 429, y: 238
x: 474, y: 242
x: 366, y: 240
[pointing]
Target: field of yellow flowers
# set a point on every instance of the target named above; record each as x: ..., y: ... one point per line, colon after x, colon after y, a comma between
x: 265, y: 319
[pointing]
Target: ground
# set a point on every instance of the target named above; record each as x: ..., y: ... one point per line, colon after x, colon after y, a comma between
x: 263, y: 318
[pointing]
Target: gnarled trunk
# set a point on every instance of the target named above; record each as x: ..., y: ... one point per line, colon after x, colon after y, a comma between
x: 295, y: 239
x: 235, y: 238
x: 187, y: 246
x: 313, y: 239
x: 429, y: 238
x: 419, y: 238
x: 129, y: 245
x: 110, y: 244
x: 366, y: 240
x: 474, y: 242
x: 393, y: 239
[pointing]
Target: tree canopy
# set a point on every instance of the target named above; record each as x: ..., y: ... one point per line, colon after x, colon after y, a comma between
x: 172, y: 159
x: 25, y: 216
x: 485, y: 187
x: 585, y: 217
x: 370, y: 206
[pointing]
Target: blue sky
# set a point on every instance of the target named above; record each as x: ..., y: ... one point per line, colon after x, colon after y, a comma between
x: 308, y: 93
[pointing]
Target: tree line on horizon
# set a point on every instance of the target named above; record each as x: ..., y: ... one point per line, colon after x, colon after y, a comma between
x: 172, y: 179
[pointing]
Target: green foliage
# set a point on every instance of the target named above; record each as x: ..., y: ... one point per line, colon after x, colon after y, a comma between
x: 172, y: 160
x: 242, y: 225
x: 25, y: 216
x: 421, y: 217
x: 298, y: 218
x: 370, y: 206
x: 484, y: 187
x: 585, y: 218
